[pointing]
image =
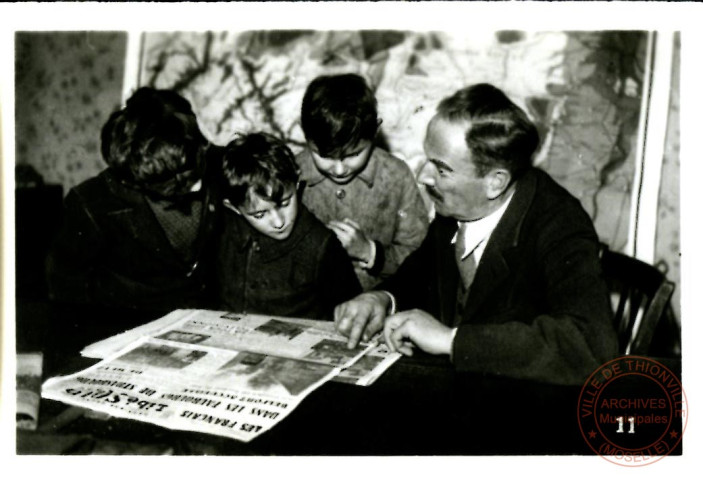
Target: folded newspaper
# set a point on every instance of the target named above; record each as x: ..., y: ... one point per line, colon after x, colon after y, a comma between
x: 216, y: 372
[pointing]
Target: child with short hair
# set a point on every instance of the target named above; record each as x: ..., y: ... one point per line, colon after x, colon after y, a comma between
x: 368, y: 197
x: 137, y: 235
x: 274, y: 256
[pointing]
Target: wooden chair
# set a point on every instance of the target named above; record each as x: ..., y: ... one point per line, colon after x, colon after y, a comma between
x: 640, y: 294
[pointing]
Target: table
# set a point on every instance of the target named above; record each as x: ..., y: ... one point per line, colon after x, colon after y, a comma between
x: 418, y: 407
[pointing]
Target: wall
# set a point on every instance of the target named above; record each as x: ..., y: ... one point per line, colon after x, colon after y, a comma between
x: 667, y: 250
x: 67, y: 83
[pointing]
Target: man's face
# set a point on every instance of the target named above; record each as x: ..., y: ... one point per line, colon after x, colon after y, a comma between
x: 271, y: 219
x: 343, y: 170
x: 450, y: 175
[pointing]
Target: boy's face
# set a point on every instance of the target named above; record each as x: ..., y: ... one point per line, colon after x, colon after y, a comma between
x: 343, y: 170
x: 271, y: 219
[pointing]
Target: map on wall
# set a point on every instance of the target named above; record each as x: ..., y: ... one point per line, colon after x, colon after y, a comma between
x: 582, y: 89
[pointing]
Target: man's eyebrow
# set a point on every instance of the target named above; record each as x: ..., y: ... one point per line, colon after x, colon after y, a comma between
x: 440, y: 164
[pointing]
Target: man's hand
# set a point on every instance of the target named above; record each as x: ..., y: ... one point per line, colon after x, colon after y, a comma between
x: 352, y: 238
x: 362, y: 316
x: 419, y: 328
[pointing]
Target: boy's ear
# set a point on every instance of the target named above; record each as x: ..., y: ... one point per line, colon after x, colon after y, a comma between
x: 229, y: 205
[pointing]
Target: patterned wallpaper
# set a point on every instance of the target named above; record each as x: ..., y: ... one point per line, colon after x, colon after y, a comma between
x: 67, y: 83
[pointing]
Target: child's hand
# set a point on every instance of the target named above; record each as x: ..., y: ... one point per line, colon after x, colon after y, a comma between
x: 353, y: 239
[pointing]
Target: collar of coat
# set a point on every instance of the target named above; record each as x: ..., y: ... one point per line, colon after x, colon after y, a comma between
x: 270, y: 248
x: 130, y: 208
x: 499, y: 253
x: 507, y: 232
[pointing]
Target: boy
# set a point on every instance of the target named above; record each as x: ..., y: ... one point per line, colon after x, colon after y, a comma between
x: 274, y: 256
x: 135, y: 236
x: 368, y: 197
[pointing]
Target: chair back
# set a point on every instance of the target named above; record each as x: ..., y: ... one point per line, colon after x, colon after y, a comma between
x: 640, y: 296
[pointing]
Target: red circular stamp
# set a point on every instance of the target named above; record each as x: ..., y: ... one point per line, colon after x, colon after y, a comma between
x: 632, y: 411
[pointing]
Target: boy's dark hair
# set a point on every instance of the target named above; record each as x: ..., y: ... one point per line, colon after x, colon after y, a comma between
x: 338, y: 112
x: 499, y: 134
x: 154, y: 142
x: 259, y: 162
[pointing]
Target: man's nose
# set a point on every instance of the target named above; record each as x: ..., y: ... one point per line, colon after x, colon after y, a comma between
x: 426, y: 174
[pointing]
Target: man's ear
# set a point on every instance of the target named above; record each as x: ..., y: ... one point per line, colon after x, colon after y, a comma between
x: 229, y: 205
x: 497, y: 183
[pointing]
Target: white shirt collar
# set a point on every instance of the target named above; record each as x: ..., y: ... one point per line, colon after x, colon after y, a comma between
x: 479, y: 231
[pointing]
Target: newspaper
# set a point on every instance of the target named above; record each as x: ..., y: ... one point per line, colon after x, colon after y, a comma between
x: 252, y: 333
x: 110, y: 346
x: 234, y: 394
x: 215, y: 372
x: 368, y: 368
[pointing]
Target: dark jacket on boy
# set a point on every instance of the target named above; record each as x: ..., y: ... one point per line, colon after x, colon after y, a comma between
x: 304, y: 276
x: 113, y: 251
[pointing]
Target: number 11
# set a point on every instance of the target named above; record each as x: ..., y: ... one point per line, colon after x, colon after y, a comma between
x: 631, y: 421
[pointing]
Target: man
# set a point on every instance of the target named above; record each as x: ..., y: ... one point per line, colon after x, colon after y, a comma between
x: 507, y: 281
x: 137, y: 235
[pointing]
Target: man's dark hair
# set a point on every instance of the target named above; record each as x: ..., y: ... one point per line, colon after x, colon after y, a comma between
x: 499, y: 132
x: 154, y: 142
x: 338, y: 112
x: 259, y: 162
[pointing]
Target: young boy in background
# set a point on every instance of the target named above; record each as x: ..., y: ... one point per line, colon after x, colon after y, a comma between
x: 274, y: 256
x: 366, y: 196
x: 137, y: 236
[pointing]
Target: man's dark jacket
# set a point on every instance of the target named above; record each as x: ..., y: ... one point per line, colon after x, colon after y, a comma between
x: 538, y: 307
x: 112, y: 251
